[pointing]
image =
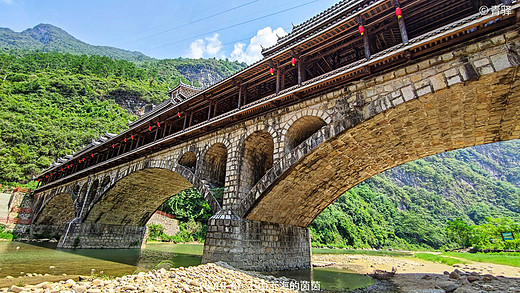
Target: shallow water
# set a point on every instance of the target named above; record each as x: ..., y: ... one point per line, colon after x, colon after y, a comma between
x: 43, y: 258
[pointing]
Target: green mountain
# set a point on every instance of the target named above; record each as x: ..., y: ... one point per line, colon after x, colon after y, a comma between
x: 48, y: 38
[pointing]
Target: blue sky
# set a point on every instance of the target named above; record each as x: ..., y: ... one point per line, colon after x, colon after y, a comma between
x: 232, y: 29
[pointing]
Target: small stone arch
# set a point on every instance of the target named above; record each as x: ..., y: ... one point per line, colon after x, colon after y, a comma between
x: 213, y: 165
x: 257, y: 159
x: 189, y: 160
x: 302, y: 129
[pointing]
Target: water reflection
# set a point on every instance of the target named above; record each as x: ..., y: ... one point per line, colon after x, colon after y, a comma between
x: 43, y: 258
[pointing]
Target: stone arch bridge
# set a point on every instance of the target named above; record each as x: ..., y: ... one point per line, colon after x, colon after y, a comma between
x: 285, y: 143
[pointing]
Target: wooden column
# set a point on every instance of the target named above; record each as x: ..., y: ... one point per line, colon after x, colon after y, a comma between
x: 191, y: 119
x: 239, y: 96
x: 402, y: 25
x: 185, y: 121
x: 366, y: 42
x: 211, y: 106
x: 277, y: 81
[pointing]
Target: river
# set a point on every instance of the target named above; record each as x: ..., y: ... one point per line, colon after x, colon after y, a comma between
x: 17, y: 258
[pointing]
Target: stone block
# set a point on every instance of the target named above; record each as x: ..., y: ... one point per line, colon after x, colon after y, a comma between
x: 423, y: 91
x: 488, y: 69
x: 438, y: 82
x: 453, y: 80
x: 501, y: 61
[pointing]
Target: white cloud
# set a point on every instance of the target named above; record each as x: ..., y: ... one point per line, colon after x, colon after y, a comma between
x: 7, y: 1
x: 265, y: 37
x: 205, y: 48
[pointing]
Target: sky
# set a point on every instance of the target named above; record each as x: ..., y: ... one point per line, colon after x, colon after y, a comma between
x: 234, y: 29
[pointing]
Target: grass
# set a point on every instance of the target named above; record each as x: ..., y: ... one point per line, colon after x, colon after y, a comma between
x: 355, y: 251
x: 438, y: 258
x: 503, y: 258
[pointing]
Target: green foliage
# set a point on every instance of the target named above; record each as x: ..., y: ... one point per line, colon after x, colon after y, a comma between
x: 5, y: 234
x: 155, y: 231
x: 504, y: 258
x: 460, y: 232
x: 188, y: 205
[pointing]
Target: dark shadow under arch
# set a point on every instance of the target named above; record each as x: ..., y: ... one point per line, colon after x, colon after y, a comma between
x: 257, y: 159
x: 302, y: 129
x: 58, y: 211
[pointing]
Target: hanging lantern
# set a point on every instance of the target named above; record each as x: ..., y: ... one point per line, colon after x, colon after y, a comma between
x: 46, y: 176
x: 51, y: 174
x: 83, y: 159
x: 398, y: 12
x: 158, y: 124
x: 150, y: 128
x: 361, y: 30
x: 61, y: 170
x: 179, y: 114
x: 131, y: 137
x: 113, y: 145
x: 79, y: 161
x: 271, y: 71
x: 125, y: 139
x: 293, y: 61
x: 92, y: 155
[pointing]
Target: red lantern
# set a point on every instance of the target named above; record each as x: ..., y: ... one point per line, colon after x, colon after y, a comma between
x: 51, y: 174
x: 361, y: 30
x: 79, y: 161
x: 113, y: 145
x: 61, y: 170
x: 293, y: 61
x: 92, y: 155
x: 46, y: 176
x: 179, y: 114
x: 398, y: 12
x: 83, y: 159
x: 125, y: 139
x: 150, y: 128
x: 158, y: 124
x: 271, y: 71
x: 131, y: 137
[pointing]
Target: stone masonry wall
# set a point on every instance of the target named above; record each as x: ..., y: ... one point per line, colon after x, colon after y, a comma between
x: 86, y: 235
x: 256, y: 245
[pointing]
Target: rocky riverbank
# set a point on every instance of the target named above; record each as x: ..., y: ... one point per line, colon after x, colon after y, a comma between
x: 202, y: 278
x: 418, y: 276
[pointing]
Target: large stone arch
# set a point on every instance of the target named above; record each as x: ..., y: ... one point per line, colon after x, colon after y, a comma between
x: 257, y: 159
x: 133, y: 199
x: 301, y: 129
x: 54, y: 215
x: 311, y: 177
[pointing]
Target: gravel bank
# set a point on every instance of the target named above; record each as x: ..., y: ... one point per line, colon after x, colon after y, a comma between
x: 202, y: 278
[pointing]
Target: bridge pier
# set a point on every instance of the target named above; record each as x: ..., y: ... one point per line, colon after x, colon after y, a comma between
x: 256, y: 245
x: 89, y: 235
